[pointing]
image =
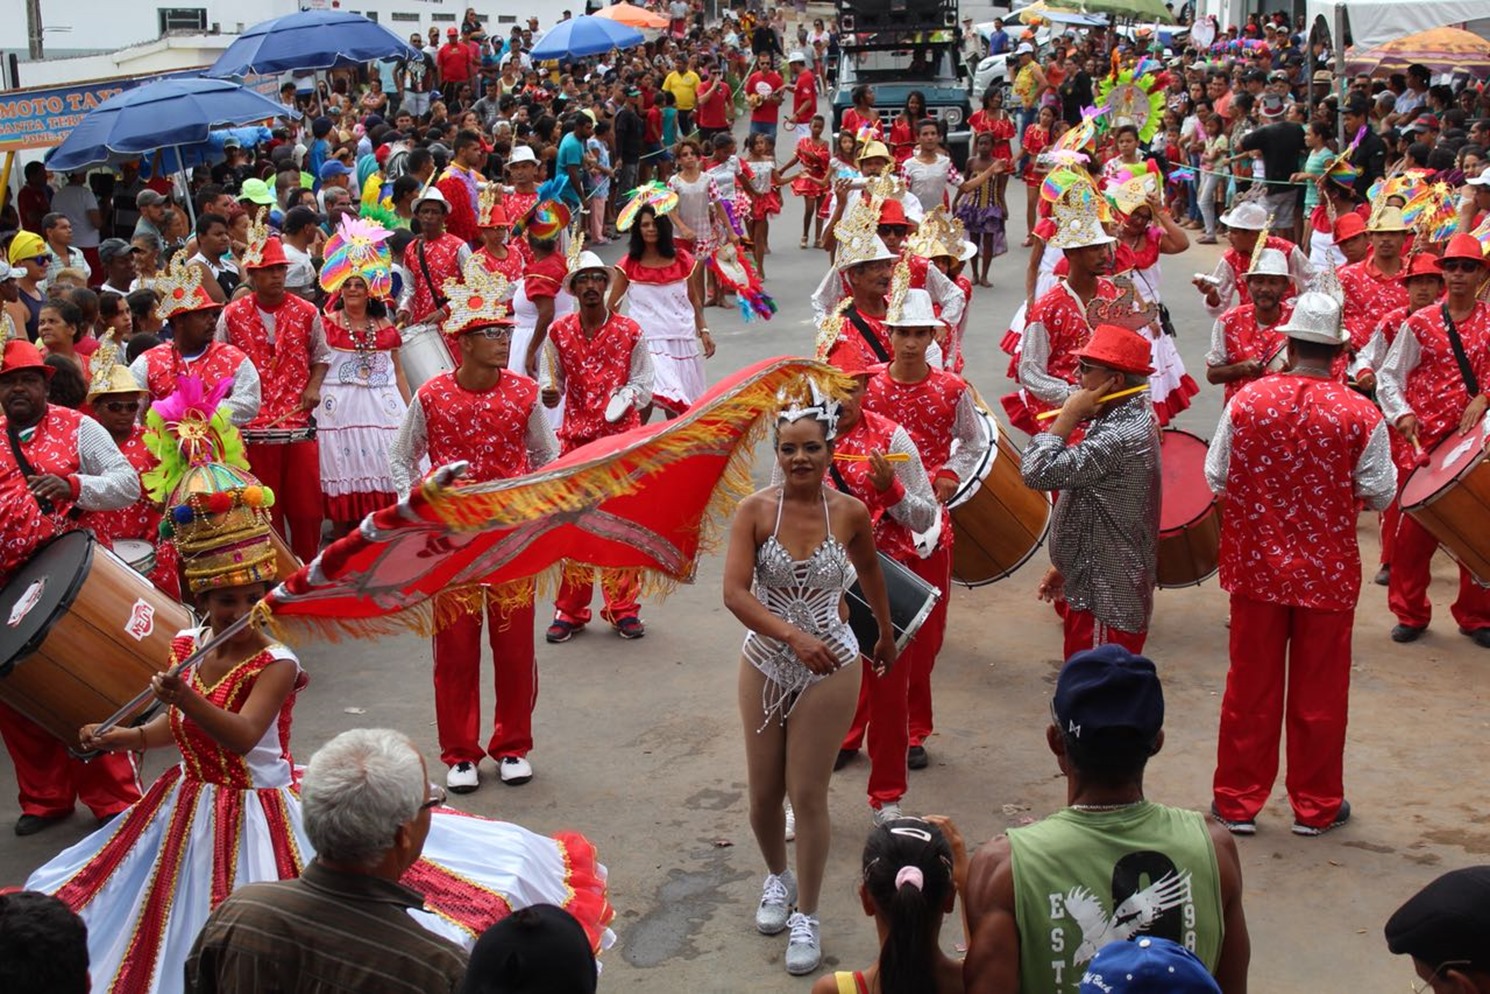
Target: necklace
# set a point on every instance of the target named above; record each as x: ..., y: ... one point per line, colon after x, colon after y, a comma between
x: 1106, y: 807
x: 364, y: 337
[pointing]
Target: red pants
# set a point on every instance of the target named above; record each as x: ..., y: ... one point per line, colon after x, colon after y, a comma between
x: 458, y: 684
x: 620, y: 589
x: 920, y: 655
x: 1084, y: 631
x: 50, y: 781
x: 1391, y: 519
x: 1291, y: 661
x: 1407, y: 592
x: 293, y: 472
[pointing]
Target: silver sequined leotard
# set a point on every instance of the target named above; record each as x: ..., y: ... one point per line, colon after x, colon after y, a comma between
x: 806, y: 593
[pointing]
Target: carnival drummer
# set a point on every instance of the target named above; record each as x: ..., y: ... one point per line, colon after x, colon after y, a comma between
x: 1105, y: 529
x: 1244, y: 340
x: 1245, y: 224
x: 283, y: 336
x: 431, y: 260
x: 58, y: 462
x: 491, y: 418
x: 186, y: 303
x: 599, y: 364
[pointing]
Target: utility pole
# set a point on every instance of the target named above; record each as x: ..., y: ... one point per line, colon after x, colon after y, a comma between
x: 33, y: 29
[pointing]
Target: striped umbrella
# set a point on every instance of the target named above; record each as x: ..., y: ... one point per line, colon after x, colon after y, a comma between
x: 1442, y: 50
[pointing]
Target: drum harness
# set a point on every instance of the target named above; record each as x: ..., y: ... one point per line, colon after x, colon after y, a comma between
x: 867, y: 334
x: 1471, y: 383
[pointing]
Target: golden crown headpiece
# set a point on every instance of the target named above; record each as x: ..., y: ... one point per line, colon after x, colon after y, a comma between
x: 257, y: 240
x: 180, y: 289
x: 478, y: 299
x: 857, y: 234
x: 106, y: 374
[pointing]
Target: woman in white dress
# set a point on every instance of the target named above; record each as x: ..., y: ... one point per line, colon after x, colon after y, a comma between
x: 365, y: 395
x: 654, y: 278
x: 537, y: 301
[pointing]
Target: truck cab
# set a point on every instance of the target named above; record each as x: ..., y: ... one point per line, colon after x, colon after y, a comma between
x: 896, y: 46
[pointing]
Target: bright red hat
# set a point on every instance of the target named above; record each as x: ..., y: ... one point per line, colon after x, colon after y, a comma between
x: 1463, y: 246
x: 1421, y: 264
x: 1347, y: 226
x: 892, y: 213
x: 273, y: 254
x: 1117, y: 348
x: 493, y: 216
x: 20, y: 354
x: 848, y: 358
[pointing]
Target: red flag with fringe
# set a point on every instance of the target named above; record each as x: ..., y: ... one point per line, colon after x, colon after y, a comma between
x: 647, y: 500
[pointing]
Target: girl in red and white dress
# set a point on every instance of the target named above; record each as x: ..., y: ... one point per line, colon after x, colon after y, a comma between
x: 764, y: 178
x: 992, y: 119
x: 229, y: 813
x: 812, y: 183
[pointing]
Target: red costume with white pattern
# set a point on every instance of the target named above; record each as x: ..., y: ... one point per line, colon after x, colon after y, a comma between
x: 1244, y: 339
x: 141, y: 520
x: 510, y: 266
x: 48, y: 779
x: 1063, y: 316
x: 284, y: 359
x: 488, y: 429
x: 1290, y: 560
x: 1436, y: 393
x: 1368, y: 293
x: 165, y: 366
x: 442, y: 256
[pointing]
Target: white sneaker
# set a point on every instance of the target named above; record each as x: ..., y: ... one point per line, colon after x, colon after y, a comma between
x: 462, y: 778
x: 885, y: 813
x: 515, y: 770
x: 778, y: 898
x: 791, y: 823
x: 804, y: 948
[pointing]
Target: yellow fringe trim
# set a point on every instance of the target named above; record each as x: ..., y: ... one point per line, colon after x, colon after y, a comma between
x: 507, y: 503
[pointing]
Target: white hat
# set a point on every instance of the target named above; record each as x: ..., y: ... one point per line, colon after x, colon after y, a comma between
x: 966, y: 251
x: 796, y: 57
x: 915, y: 312
x: 523, y: 153
x: 1025, y: 48
x: 1483, y: 179
x: 1316, y: 318
x: 1248, y: 215
x: 431, y: 193
x: 1270, y: 262
x: 587, y: 260
x: 874, y: 251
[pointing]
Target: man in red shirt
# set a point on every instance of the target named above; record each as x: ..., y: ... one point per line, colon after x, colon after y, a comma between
x: 454, y: 62
x: 599, y: 363
x: 709, y: 113
x: 764, y: 92
x: 1371, y: 286
x: 804, y: 90
x: 35, y: 200
x: 1293, y: 569
x: 489, y: 417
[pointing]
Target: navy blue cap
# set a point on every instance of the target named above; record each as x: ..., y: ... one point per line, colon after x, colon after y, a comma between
x: 1146, y: 965
x: 1108, y: 689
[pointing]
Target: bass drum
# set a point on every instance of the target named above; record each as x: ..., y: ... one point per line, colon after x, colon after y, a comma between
x: 1450, y: 498
x: 83, y: 635
x: 998, y: 523
x: 1189, y: 514
x: 424, y: 354
x: 911, y: 602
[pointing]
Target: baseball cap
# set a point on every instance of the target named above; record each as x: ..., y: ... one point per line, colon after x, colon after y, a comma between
x: 1108, y: 690
x: 334, y: 167
x: 1278, y: 76
x: 1025, y: 48
x: 149, y: 198
x: 231, y: 142
x: 1447, y: 921
x: 1146, y: 965
x: 451, y: 32
x: 112, y: 248
x: 256, y: 191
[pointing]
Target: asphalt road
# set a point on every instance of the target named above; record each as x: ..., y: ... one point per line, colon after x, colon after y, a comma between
x: 639, y: 743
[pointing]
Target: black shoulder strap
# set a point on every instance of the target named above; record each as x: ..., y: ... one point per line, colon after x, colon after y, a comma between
x: 1471, y: 383
x: 14, y: 435
x: 434, y: 288
x: 867, y: 333
x: 838, y: 479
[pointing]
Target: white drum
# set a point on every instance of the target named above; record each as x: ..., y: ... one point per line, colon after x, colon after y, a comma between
x: 139, y: 553
x: 424, y: 354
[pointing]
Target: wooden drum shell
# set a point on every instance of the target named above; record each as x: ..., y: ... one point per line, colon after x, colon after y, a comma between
x: 1000, y: 525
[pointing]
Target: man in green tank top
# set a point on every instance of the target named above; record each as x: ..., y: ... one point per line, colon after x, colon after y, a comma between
x: 1111, y: 865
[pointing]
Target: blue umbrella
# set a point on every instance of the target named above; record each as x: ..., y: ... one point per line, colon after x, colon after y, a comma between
x: 585, y: 35
x: 167, y: 113
x: 311, y: 39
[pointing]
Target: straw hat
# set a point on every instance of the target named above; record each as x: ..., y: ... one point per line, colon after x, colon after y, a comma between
x: 1386, y: 218
x: 1315, y: 318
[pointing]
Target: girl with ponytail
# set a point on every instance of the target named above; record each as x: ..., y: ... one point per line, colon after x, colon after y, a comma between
x: 913, y: 869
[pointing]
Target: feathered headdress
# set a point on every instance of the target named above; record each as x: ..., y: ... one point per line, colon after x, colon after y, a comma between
x: 1129, y: 187
x: 653, y: 194
x: 1071, y: 148
x: 549, y: 216
x: 358, y: 248
x: 1135, y: 96
x: 478, y: 299
x: 216, y: 511
x: 1340, y: 170
x: 1431, y: 211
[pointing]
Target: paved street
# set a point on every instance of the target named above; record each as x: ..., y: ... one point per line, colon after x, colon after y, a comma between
x: 639, y: 743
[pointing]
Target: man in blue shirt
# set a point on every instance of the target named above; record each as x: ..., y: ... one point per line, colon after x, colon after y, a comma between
x: 571, y: 160
x: 998, y: 38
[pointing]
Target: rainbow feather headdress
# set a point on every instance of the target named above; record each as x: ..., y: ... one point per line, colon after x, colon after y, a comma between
x: 359, y: 248
x: 1135, y: 96
x: 1129, y: 187
x: 216, y: 511
x: 653, y: 194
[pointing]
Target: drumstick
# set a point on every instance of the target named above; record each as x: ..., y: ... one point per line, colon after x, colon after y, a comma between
x: 290, y: 413
x: 1422, y: 458
x: 1047, y: 415
x: 889, y: 457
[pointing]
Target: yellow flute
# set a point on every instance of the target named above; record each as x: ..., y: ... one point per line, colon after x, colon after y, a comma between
x: 889, y: 457
x: 1047, y: 415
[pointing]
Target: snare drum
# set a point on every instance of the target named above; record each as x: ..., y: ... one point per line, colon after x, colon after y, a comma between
x: 911, y: 601
x: 279, y: 436
x: 998, y: 523
x: 139, y: 553
x: 424, y: 354
x: 1189, y: 514
x: 1450, y: 497
x: 83, y: 634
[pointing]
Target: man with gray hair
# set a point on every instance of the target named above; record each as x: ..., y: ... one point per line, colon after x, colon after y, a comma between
x: 344, y: 924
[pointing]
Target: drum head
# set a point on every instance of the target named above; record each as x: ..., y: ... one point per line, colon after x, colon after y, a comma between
x: 39, y: 592
x: 1447, y: 461
x: 1186, y: 495
x: 134, y: 550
